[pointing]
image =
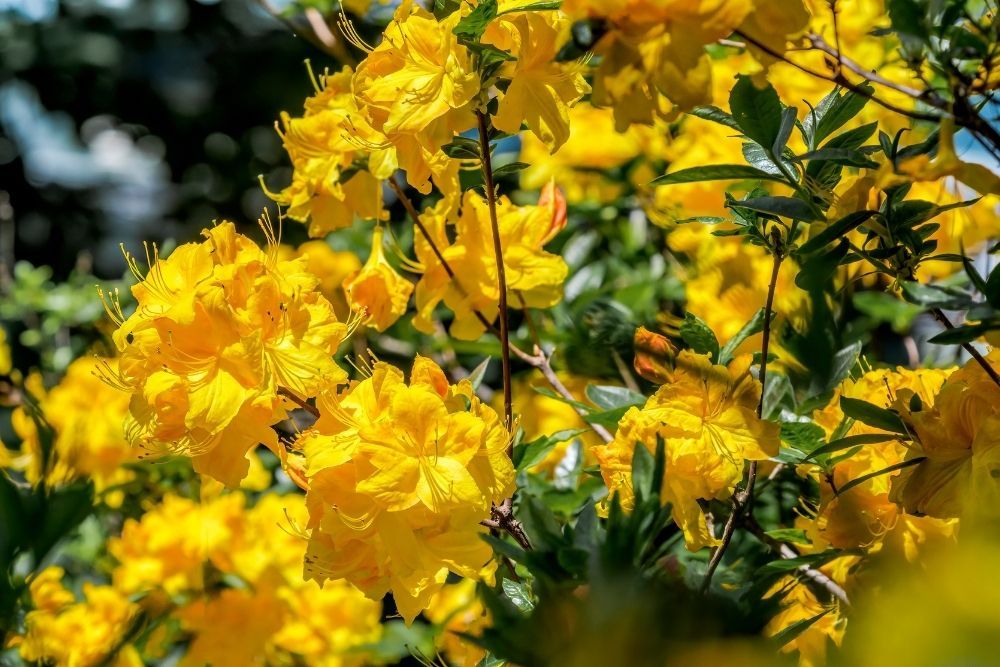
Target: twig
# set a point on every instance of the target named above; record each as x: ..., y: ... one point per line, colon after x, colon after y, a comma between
x: 484, y: 145
x: 743, y: 500
x: 815, y: 576
x: 541, y: 362
x: 840, y: 80
x: 502, y: 518
x: 968, y: 347
x: 626, y: 373
x: 299, y: 401
x: 537, y: 360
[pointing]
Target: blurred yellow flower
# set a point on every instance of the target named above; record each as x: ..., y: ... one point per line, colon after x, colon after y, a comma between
x: 456, y: 609
x: 86, y: 416
x: 67, y: 633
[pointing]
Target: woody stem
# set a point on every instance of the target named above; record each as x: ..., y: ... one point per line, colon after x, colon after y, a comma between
x: 484, y: 147
x: 973, y: 352
x: 742, y: 500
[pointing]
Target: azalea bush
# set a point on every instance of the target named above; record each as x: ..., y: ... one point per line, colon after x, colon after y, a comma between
x: 576, y: 333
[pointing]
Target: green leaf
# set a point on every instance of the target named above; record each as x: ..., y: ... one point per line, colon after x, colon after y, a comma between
x: 884, y: 471
x: 477, y: 374
x: 992, y: 290
x: 811, y: 560
x: 490, y: 660
x: 791, y: 535
x: 797, y: 628
x: 850, y: 442
x: 751, y: 328
x: 541, y: 6
x: 716, y: 172
x: 842, y: 109
x: 847, y: 157
x: 528, y: 454
x: 963, y: 334
x: 473, y: 25
x: 608, y: 396
x: 934, y: 296
x: 510, y: 168
x: 788, y: 117
x: 871, y: 414
x: 608, y: 418
x: 834, y: 231
x: 803, y: 436
x: 519, y: 595
x: 643, y: 467
x: 757, y: 111
x: 785, y: 207
x: 462, y: 148
x: 716, y: 115
x: 843, y: 362
x: 699, y: 336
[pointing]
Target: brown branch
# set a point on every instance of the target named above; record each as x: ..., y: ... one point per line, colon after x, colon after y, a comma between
x: 840, y: 80
x: 968, y: 347
x: 299, y: 401
x: 537, y: 360
x: 484, y: 146
x: 785, y: 551
x: 502, y: 518
x: 743, y: 500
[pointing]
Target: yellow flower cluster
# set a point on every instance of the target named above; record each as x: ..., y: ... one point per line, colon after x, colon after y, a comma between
x: 63, y: 631
x: 221, y: 328
x: 706, y: 417
x: 654, y: 62
x: 534, y: 276
x: 86, y: 417
x: 275, y: 613
x: 957, y: 443
x: 400, y: 475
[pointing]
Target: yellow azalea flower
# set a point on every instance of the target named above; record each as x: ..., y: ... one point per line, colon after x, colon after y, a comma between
x: 534, y: 277
x: 377, y: 290
x: 220, y: 328
x: 922, y: 168
x: 416, y: 87
x: 328, y: 190
x: 864, y: 516
x: 798, y: 603
x: 328, y: 625
x: 928, y: 615
x: 653, y: 55
x: 166, y: 548
x: 331, y: 267
x: 86, y: 415
x: 707, y: 418
x: 959, y: 439
x: 400, y: 475
x: 541, y: 91
x: 231, y: 628
x: 456, y: 609
x: 67, y: 633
